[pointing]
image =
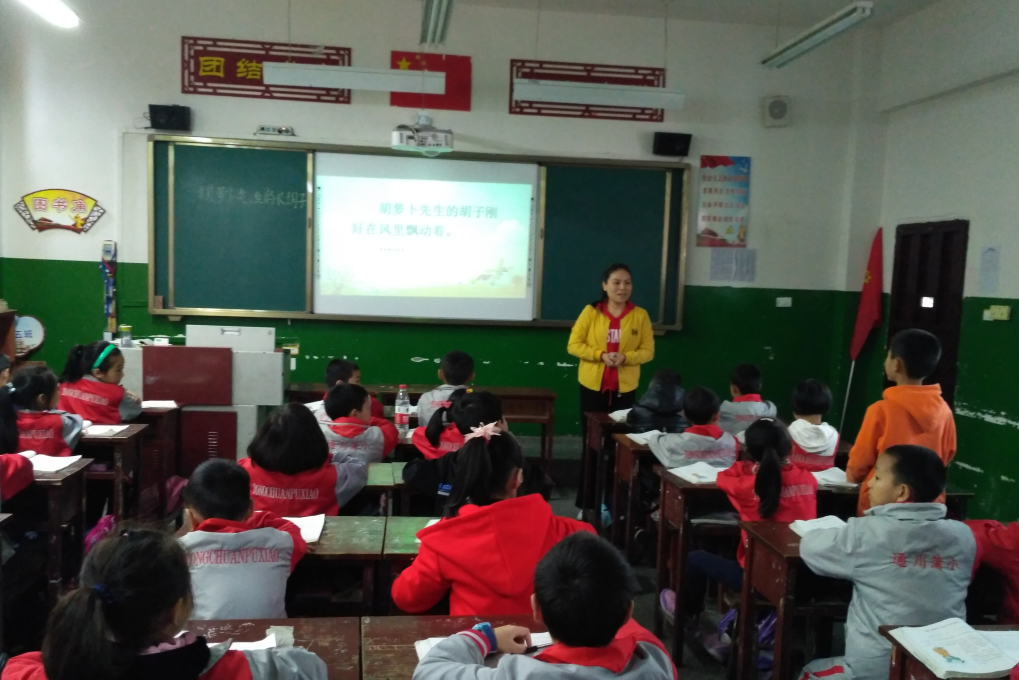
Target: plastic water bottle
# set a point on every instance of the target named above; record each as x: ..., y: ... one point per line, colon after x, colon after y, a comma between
x: 402, y: 411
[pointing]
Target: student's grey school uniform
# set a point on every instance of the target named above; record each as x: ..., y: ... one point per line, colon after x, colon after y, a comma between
x: 239, y: 570
x: 909, y: 566
x: 699, y: 443
x: 366, y: 443
x: 432, y: 401
x: 736, y: 416
x: 461, y: 657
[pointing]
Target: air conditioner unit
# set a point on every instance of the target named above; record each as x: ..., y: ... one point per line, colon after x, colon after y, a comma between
x: 595, y: 94
x: 350, y: 78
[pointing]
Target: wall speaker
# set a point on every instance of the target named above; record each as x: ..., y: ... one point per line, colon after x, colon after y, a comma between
x: 776, y: 111
x: 170, y: 117
x: 671, y: 144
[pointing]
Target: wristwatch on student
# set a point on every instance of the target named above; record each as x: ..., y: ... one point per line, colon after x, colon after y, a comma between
x: 486, y: 629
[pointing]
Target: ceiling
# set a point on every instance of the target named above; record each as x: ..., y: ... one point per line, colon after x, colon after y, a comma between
x: 764, y: 12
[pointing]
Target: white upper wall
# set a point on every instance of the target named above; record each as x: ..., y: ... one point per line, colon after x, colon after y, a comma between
x: 950, y: 45
x: 69, y: 101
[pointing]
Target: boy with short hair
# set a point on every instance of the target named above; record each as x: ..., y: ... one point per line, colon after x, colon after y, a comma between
x: 908, y: 564
x: 346, y: 371
x: 583, y: 593
x: 746, y: 405
x: 456, y: 371
x: 909, y: 413
x: 350, y: 428
x: 240, y: 560
x: 815, y: 442
x: 703, y: 441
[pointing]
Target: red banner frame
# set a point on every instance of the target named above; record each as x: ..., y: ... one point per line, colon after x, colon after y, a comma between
x: 568, y: 71
x: 233, y: 68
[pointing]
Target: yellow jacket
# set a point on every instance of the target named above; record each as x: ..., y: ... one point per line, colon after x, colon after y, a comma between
x: 589, y: 340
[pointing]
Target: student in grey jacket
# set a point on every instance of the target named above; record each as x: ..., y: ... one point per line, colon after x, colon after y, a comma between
x: 908, y: 564
x: 583, y: 593
x: 456, y: 372
x: 746, y: 406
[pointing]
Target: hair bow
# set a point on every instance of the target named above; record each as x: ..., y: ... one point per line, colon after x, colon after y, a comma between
x: 486, y: 431
x: 446, y: 404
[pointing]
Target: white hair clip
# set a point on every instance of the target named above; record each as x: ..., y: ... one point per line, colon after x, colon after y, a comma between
x: 486, y: 431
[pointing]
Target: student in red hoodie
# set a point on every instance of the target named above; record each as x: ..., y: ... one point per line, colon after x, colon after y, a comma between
x: 122, y: 623
x: 90, y: 385
x: 350, y: 428
x: 998, y: 548
x: 15, y: 469
x: 292, y: 472
x: 485, y: 550
x: 767, y: 486
x: 30, y: 401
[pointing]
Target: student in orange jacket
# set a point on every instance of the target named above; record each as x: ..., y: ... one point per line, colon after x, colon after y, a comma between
x: 910, y: 413
x: 484, y: 552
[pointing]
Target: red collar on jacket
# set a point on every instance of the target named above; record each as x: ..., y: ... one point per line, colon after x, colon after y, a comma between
x: 709, y: 430
x: 747, y: 397
x: 216, y: 525
x: 614, y: 656
x: 604, y: 309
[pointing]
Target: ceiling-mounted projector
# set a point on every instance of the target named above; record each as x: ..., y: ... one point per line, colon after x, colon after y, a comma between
x: 422, y: 137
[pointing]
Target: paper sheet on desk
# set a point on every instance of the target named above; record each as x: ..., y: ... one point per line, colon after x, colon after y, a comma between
x: 105, y: 430
x: 422, y: 647
x: 268, y: 643
x: 41, y: 463
x: 644, y: 437
x: 619, y: 416
x: 833, y: 477
x: 311, y: 527
x: 698, y: 473
x: 805, y: 526
x: 159, y: 404
x: 430, y: 523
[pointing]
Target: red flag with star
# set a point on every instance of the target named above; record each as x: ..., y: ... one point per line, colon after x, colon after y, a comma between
x: 868, y: 316
x: 458, y: 81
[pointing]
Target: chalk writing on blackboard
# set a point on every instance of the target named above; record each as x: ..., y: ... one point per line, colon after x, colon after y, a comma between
x: 298, y: 200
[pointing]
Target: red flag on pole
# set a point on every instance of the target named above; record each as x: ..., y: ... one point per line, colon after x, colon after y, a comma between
x: 458, y: 81
x: 868, y: 316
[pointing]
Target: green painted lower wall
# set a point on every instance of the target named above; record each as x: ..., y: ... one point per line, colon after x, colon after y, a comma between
x: 723, y: 326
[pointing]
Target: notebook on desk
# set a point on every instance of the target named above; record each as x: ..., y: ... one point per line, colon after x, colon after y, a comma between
x: 805, y: 526
x: 41, y: 463
x: 422, y: 647
x: 953, y: 649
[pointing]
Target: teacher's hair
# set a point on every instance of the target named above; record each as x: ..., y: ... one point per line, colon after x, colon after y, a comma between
x: 612, y: 268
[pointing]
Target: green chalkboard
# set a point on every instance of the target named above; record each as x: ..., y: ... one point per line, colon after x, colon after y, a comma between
x: 239, y: 227
x: 595, y: 216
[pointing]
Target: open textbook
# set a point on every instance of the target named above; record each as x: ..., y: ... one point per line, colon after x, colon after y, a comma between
x: 804, y: 526
x: 953, y: 649
x: 833, y: 477
x: 311, y: 527
x: 697, y: 473
x: 41, y: 463
x: 643, y: 437
x: 538, y: 640
x: 619, y: 416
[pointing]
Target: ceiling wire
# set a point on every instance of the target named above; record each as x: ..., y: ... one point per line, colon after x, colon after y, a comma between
x: 778, y: 19
x: 537, y: 30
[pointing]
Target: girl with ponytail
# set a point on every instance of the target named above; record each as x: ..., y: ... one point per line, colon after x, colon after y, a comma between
x: 90, y: 385
x: 122, y: 624
x: 434, y: 476
x: 15, y: 469
x: 29, y: 419
x: 483, y: 553
x: 762, y: 486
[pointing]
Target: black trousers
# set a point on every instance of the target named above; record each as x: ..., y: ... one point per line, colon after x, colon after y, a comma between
x: 593, y: 401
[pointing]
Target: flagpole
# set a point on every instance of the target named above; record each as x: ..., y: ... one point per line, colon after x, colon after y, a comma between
x: 845, y: 405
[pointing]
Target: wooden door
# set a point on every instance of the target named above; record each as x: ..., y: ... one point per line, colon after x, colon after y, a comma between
x: 927, y: 285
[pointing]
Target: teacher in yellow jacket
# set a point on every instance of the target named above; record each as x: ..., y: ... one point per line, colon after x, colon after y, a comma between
x: 612, y: 338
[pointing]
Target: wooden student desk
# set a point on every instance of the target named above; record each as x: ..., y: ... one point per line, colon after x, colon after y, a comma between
x: 126, y: 462
x: 400, y: 549
x: 387, y: 642
x: 519, y: 405
x: 353, y: 540
x: 594, y: 461
x: 336, y: 641
x: 629, y: 455
x: 905, y: 666
x: 162, y: 453
x: 56, y: 505
x: 381, y: 482
x: 774, y: 570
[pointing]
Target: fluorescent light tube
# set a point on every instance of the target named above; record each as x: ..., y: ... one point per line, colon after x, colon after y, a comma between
x: 53, y: 11
x: 595, y: 94
x: 435, y: 21
x: 836, y: 24
x: 350, y: 78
